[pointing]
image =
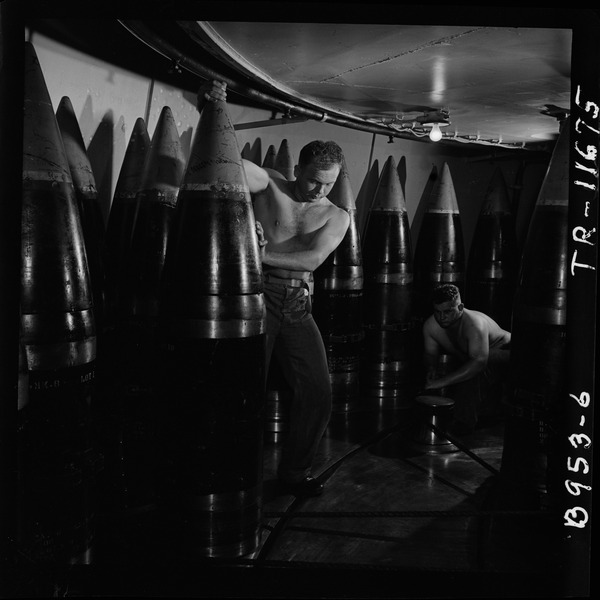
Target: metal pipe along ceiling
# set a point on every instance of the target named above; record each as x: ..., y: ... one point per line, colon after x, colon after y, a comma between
x: 162, y: 46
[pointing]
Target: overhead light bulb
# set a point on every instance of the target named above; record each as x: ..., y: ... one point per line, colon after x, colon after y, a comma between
x: 435, y: 135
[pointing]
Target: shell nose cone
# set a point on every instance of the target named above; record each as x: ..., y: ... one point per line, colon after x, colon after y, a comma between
x: 215, y: 159
x: 283, y: 160
x: 79, y: 163
x: 132, y: 167
x: 389, y: 194
x: 43, y: 149
x: 443, y: 195
x: 165, y: 162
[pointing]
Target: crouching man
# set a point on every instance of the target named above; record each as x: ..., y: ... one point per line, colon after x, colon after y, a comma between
x: 478, y: 350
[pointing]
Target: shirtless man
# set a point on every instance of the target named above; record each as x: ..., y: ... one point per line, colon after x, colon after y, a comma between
x: 479, y: 345
x: 297, y: 228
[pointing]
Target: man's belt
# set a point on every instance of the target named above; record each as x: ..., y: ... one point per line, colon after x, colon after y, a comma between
x: 299, y: 283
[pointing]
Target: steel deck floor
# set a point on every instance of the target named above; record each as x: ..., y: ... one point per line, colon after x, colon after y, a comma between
x: 391, y: 506
x: 394, y: 521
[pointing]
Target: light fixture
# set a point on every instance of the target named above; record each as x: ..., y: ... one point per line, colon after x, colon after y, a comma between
x: 426, y: 124
x: 435, y: 135
x: 434, y: 120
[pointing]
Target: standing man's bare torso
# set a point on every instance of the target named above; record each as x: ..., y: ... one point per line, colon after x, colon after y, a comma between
x: 296, y: 227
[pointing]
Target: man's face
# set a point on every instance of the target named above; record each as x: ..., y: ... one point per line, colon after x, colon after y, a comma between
x: 447, y: 313
x: 314, y: 183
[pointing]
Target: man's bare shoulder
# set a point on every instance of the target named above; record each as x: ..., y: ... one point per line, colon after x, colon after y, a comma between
x: 337, y: 212
x: 477, y: 324
x: 333, y: 210
x: 430, y: 325
x: 337, y: 218
x: 278, y: 187
x: 478, y: 318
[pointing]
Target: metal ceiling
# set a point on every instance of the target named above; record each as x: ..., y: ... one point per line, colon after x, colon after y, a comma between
x: 498, y: 84
x: 504, y: 84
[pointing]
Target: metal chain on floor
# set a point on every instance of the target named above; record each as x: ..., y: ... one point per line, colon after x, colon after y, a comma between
x: 293, y: 512
x: 285, y: 516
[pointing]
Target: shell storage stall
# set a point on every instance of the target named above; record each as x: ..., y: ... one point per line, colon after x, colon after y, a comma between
x: 206, y: 314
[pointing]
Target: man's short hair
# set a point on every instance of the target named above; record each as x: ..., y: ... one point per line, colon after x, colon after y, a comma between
x: 322, y: 154
x: 446, y: 292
